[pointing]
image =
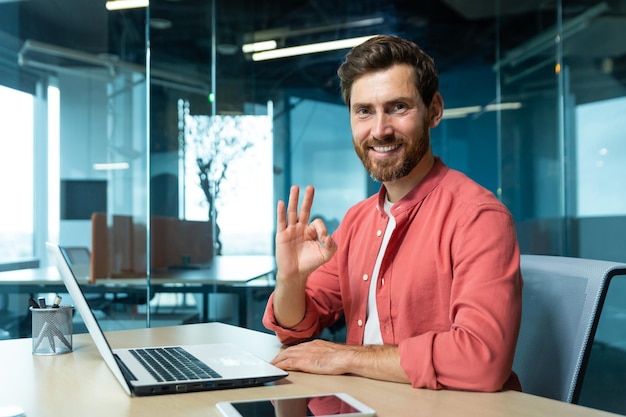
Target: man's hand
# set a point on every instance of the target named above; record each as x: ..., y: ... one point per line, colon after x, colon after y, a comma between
x: 316, y: 357
x: 301, y: 248
x: 323, y: 357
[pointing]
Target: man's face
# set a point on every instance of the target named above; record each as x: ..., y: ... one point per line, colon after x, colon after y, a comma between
x: 390, y: 123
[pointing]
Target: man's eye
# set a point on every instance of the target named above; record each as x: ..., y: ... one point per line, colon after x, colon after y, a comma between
x: 362, y: 111
x: 399, y: 107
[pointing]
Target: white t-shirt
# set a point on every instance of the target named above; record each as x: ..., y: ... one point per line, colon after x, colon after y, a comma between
x: 372, y: 335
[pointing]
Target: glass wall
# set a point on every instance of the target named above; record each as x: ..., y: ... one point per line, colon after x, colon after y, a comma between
x: 532, y: 115
x: 561, y: 150
x: 78, y: 148
x: 526, y: 114
x: 561, y: 153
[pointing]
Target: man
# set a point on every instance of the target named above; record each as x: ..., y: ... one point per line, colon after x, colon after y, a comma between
x: 426, y: 272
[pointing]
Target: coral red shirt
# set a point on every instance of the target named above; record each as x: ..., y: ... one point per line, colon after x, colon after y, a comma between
x: 449, y: 288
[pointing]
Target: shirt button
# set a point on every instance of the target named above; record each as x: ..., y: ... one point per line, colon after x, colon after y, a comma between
x: 379, y: 233
x: 360, y: 322
x: 365, y: 277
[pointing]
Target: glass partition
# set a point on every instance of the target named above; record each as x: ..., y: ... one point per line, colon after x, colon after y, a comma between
x: 531, y: 137
x: 561, y: 149
x: 89, y: 140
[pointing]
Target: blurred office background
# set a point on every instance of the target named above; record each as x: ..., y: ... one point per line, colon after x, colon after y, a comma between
x: 159, y: 111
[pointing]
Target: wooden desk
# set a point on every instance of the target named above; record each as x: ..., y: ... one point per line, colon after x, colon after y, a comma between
x: 79, y: 383
x: 230, y: 274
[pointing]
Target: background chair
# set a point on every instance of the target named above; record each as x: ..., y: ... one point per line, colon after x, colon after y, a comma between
x: 562, y: 301
x: 80, y: 263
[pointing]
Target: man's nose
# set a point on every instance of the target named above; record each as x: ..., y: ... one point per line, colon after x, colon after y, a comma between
x: 382, y: 127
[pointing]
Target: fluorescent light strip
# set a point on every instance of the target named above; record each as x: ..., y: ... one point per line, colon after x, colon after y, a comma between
x: 504, y: 106
x: 310, y: 48
x: 259, y: 46
x: 126, y: 4
x: 459, y: 112
x: 110, y: 166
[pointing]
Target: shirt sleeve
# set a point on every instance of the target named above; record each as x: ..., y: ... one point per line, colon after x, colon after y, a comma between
x: 476, y: 352
x: 306, y: 329
x: 323, y: 307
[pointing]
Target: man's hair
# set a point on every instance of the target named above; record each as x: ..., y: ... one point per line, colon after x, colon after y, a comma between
x: 381, y: 53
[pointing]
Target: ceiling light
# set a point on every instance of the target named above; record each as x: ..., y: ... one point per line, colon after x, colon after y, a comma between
x: 227, y: 48
x: 160, y: 24
x: 259, y: 46
x: 110, y: 166
x: 285, y: 32
x: 459, y: 112
x: 126, y: 4
x: 514, y: 105
x: 310, y: 48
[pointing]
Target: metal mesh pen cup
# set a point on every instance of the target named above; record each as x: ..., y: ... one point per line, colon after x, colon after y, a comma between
x: 52, y: 330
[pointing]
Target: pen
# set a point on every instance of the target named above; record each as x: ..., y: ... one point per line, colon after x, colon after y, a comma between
x: 42, y: 302
x: 57, y: 302
x: 33, y: 303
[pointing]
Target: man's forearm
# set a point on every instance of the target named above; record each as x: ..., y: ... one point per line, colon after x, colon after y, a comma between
x: 376, y: 362
x: 289, y: 302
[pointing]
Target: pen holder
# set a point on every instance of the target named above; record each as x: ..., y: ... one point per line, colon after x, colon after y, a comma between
x: 52, y: 330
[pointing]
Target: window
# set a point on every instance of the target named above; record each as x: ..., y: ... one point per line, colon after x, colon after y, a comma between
x: 234, y: 155
x: 601, y: 150
x: 16, y: 171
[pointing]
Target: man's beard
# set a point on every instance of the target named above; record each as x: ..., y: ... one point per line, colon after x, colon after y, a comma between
x: 385, y: 170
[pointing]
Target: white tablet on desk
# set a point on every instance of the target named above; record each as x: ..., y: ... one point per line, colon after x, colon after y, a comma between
x: 323, y: 405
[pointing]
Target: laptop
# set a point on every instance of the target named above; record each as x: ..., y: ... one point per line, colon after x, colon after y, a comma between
x: 79, y: 261
x: 151, y: 370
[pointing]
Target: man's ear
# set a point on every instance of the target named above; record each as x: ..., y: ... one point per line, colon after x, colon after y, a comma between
x: 435, y: 110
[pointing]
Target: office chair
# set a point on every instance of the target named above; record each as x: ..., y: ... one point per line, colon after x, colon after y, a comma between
x: 79, y: 261
x: 562, y: 300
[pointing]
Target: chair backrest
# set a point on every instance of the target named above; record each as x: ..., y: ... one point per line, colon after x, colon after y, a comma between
x: 562, y: 299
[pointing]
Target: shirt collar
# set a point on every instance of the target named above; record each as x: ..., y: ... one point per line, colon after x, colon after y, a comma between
x: 419, y: 192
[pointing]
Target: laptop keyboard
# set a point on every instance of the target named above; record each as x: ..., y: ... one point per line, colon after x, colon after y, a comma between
x: 173, y: 364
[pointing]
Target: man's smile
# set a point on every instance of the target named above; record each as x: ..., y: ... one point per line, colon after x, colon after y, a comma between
x: 385, y: 149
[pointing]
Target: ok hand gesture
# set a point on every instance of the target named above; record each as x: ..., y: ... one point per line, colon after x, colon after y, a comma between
x: 300, y: 247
